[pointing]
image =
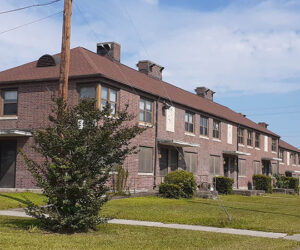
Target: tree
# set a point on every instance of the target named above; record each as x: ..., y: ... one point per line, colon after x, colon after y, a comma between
x: 79, y: 148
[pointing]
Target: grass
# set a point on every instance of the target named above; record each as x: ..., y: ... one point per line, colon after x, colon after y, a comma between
x: 19, y: 200
x: 23, y: 233
x: 274, y: 213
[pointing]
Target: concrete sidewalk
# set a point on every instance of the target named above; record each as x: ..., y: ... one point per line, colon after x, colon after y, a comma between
x: 296, y: 237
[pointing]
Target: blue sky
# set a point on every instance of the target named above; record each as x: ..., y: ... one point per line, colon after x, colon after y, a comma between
x: 248, y: 51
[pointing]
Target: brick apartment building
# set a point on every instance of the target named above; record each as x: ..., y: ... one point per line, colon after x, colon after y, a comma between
x: 185, y: 130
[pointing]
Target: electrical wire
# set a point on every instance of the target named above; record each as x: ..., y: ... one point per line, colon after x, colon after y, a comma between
x: 26, y: 24
x: 30, y: 6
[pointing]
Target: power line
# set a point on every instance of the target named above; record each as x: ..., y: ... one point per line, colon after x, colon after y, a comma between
x: 26, y: 24
x: 30, y: 6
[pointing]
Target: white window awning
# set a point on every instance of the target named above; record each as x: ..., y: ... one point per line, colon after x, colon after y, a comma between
x: 271, y: 159
x: 276, y: 159
x: 176, y: 143
x: 236, y: 153
x: 14, y: 133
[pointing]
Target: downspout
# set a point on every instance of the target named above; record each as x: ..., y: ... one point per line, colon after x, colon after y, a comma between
x: 278, y: 162
x: 156, y: 146
x: 237, y: 159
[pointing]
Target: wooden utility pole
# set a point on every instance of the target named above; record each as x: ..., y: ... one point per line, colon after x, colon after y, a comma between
x: 65, y: 51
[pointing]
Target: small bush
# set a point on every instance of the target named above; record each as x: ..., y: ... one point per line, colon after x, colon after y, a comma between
x: 263, y: 182
x: 282, y: 181
x: 184, y: 180
x: 294, y: 184
x: 170, y: 190
x: 287, y: 182
x: 119, y: 181
x: 223, y: 184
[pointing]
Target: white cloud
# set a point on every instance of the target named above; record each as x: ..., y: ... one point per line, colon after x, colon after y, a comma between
x: 150, y: 1
x: 244, y: 49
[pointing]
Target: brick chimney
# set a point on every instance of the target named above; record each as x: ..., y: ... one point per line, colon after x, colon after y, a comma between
x: 150, y: 68
x: 111, y: 50
x: 205, y: 93
x: 263, y: 124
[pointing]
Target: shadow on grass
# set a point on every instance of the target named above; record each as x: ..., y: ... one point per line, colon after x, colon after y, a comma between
x: 245, y: 209
x: 20, y: 223
x: 24, y: 201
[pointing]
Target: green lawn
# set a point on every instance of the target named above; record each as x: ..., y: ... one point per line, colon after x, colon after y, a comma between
x: 18, y: 200
x: 275, y: 213
x: 22, y: 233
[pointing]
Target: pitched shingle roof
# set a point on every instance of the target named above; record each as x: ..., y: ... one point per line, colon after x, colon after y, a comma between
x: 84, y: 62
x: 285, y: 145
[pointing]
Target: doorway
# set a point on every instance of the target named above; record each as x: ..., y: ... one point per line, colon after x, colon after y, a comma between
x: 267, y: 168
x: 7, y: 164
x: 168, y: 160
x: 230, y: 169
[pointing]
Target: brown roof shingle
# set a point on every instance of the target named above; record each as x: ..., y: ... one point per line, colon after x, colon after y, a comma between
x: 285, y: 145
x: 84, y: 62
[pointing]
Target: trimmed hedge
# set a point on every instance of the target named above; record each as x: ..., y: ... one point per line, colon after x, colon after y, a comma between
x: 170, y: 190
x: 263, y: 182
x: 287, y: 182
x: 183, y: 179
x: 223, y: 184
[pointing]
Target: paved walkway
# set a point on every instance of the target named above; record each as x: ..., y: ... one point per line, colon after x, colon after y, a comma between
x: 21, y: 213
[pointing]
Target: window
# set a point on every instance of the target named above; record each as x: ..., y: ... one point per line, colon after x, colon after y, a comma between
x: 240, y: 135
x: 146, y: 110
x: 242, y: 167
x: 249, y: 138
x: 109, y: 97
x: 189, y: 122
x: 257, y: 167
x: 274, y: 169
x: 257, y: 140
x: 274, y: 145
x: 281, y: 156
x: 10, y: 102
x: 216, y: 129
x: 88, y: 92
x: 203, y: 126
x: 293, y: 158
x: 191, y: 161
x: 145, y: 160
x: 214, y: 165
x: 298, y: 159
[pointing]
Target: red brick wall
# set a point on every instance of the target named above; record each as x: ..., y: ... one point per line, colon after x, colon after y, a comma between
x: 34, y: 106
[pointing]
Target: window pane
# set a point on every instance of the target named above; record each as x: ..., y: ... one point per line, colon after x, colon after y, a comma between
x: 103, y: 104
x: 142, y: 104
x: 186, y: 127
x: 186, y: 117
x: 11, y: 95
x: 191, y: 128
x: 10, y: 109
x: 113, y: 108
x: 104, y: 93
x: 148, y: 117
x: 142, y: 116
x: 87, y: 92
x: 145, y: 160
x: 113, y: 95
x: 191, y: 118
x: 149, y: 106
